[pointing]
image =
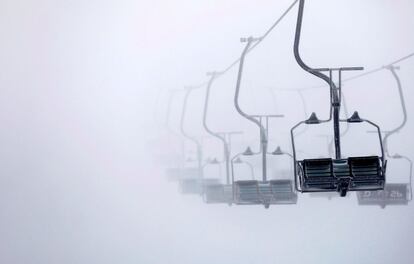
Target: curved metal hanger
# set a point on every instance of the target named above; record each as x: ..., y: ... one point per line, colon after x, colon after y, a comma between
x: 335, y: 91
x: 167, y: 125
x: 393, y: 69
x: 343, y: 184
x: 186, y: 135
x: 257, y: 120
x: 263, y: 136
x: 220, y: 136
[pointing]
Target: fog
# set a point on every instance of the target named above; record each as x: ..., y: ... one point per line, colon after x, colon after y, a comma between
x: 84, y: 149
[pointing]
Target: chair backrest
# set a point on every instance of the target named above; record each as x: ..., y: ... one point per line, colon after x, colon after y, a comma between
x: 393, y: 194
x: 317, y: 169
x: 365, y: 167
x: 247, y: 192
x: 281, y: 186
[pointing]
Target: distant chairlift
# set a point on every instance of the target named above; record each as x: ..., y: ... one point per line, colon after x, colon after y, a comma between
x: 265, y: 192
x: 393, y: 193
x: 217, y: 192
x: 178, y: 170
x: 192, y: 180
x: 337, y: 174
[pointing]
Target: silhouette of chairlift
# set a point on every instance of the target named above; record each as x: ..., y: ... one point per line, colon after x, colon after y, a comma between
x: 393, y: 193
x: 223, y: 193
x: 265, y: 192
x: 337, y: 174
x: 192, y: 180
x: 218, y: 193
x: 180, y: 170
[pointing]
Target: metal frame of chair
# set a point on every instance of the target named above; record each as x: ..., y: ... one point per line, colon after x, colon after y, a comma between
x: 253, y: 192
x: 336, y: 174
x: 393, y: 193
x: 191, y: 185
x: 218, y: 192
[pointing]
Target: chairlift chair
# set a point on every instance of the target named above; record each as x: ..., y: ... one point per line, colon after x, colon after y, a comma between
x: 192, y: 183
x: 393, y: 193
x: 189, y: 183
x: 223, y: 193
x: 338, y: 174
x: 179, y: 170
x: 218, y: 193
x: 213, y: 191
x: 265, y: 192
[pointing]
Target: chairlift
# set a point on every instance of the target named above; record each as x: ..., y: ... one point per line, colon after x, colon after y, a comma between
x: 217, y: 192
x: 191, y: 181
x: 338, y: 174
x: 265, y: 192
x: 393, y: 193
x: 177, y: 171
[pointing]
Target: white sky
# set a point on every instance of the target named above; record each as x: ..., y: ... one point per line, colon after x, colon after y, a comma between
x: 78, y: 86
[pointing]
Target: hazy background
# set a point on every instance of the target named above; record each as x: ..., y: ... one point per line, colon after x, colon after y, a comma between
x: 83, y: 87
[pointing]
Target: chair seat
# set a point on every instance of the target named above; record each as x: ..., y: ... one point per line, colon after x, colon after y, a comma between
x: 218, y: 193
x: 269, y: 192
x: 247, y: 192
x: 282, y: 191
x: 393, y: 194
x: 351, y: 174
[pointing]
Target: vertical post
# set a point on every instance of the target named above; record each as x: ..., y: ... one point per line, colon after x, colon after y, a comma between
x: 336, y: 104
